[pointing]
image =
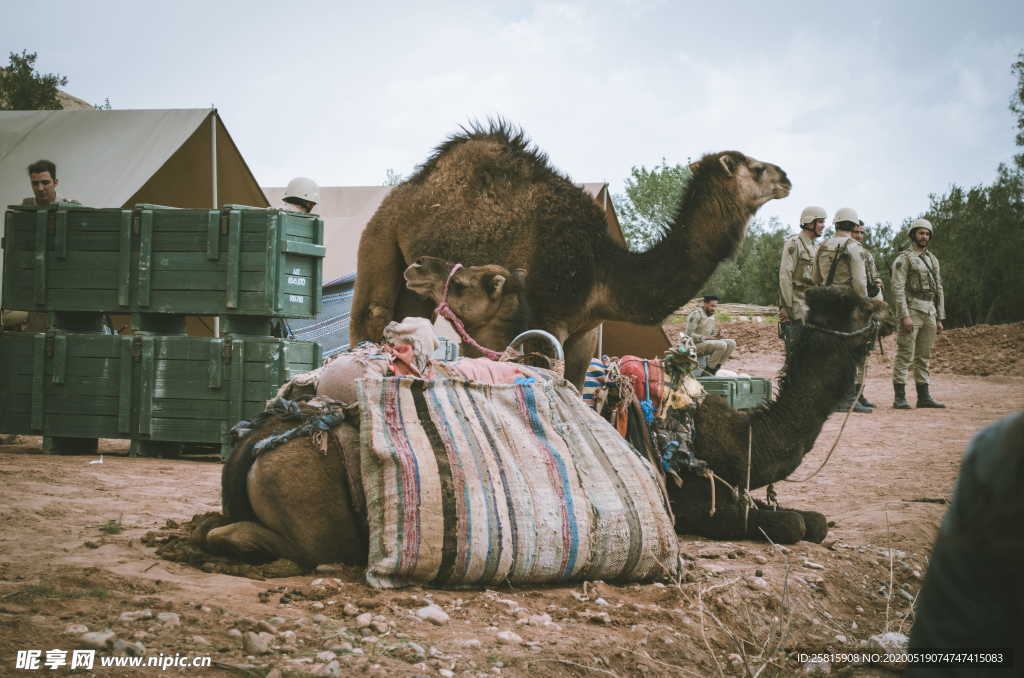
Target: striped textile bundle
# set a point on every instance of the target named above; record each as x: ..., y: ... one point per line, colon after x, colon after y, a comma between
x: 595, y: 384
x: 471, y: 484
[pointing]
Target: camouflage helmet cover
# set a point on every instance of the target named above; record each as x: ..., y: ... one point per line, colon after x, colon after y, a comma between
x: 302, y: 188
x: 811, y: 213
x: 920, y: 223
x: 846, y: 214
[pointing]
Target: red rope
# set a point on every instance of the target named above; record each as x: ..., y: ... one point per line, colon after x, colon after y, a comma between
x: 445, y: 311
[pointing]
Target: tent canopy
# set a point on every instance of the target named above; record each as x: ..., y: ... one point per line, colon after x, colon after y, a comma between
x: 118, y: 158
x: 347, y: 209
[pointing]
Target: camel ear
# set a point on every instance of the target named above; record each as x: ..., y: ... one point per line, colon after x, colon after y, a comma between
x: 728, y: 164
x: 494, y: 285
x: 519, y: 277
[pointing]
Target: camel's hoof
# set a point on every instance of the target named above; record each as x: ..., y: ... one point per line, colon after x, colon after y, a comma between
x: 781, y: 526
x: 816, y: 525
x: 203, y: 526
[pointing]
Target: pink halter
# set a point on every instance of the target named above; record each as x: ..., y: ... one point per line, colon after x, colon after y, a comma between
x: 445, y: 311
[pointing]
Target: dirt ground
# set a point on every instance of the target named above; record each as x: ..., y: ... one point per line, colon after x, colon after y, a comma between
x: 72, y: 553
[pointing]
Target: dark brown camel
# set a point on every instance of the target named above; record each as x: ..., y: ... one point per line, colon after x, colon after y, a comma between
x: 817, y: 371
x: 487, y: 196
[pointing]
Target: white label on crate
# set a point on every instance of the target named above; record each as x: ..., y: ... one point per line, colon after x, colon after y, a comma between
x: 296, y: 271
x: 296, y: 298
x: 292, y: 280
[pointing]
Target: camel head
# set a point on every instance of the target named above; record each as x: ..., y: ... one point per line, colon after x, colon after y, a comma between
x: 843, y: 310
x: 488, y: 299
x: 751, y: 182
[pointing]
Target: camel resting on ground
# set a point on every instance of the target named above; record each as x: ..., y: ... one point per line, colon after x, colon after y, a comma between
x: 300, y: 502
x: 487, y: 196
x: 840, y: 329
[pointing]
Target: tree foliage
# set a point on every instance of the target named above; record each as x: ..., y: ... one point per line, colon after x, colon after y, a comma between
x: 23, y: 89
x: 649, y: 205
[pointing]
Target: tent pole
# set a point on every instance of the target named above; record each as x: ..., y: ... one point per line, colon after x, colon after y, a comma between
x: 600, y: 341
x: 213, y: 164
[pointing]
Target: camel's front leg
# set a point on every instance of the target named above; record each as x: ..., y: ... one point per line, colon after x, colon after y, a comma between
x: 579, y: 349
x: 378, y: 283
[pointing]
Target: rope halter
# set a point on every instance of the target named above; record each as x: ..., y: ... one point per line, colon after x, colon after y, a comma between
x: 445, y: 311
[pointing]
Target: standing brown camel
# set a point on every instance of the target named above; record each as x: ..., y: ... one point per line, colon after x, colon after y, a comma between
x: 488, y: 196
x: 840, y: 329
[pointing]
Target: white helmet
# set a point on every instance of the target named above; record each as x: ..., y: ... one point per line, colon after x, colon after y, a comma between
x: 846, y: 214
x: 920, y: 223
x: 302, y: 188
x: 811, y: 213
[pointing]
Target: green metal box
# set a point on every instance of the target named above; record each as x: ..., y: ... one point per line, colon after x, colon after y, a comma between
x: 146, y: 388
x: 741, y: 393
x: 238, y: 261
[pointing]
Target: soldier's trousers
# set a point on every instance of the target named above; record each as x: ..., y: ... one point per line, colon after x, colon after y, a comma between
x: 914, y: 348
x: 720, y: 350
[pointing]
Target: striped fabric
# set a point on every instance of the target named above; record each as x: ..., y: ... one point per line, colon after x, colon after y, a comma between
x: 471, y: 484
x: 595, y: 381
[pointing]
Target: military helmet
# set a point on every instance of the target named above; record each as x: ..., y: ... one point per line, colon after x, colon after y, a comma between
x: 920, y: 223
x: 302, y: 188
x: 811, y: 213
x: 846, y: 214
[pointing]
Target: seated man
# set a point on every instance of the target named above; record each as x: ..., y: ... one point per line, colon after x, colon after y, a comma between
x: 702, y: 328
x: 42, y: 175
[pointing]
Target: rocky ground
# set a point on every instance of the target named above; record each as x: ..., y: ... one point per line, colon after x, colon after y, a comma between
x: 79, y: 568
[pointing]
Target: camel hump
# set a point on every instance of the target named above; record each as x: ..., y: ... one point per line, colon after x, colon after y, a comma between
x: 498, y: 147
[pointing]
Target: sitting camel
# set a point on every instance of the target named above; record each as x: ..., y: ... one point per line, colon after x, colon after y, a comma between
x: 303, y: 502
x: 840, y: 329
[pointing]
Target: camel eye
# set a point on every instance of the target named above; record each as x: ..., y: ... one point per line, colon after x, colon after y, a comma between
x: 456, y: 285
x: 759, y: 171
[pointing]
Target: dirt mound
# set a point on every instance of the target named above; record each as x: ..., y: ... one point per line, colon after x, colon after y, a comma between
x: 981, y: 350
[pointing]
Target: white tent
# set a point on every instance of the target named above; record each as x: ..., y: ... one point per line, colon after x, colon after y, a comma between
x: 118, y: 158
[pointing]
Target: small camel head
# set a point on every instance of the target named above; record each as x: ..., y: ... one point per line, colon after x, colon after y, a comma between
x: 751, y: 181
x: 842, y: 309
x: 480, y: 295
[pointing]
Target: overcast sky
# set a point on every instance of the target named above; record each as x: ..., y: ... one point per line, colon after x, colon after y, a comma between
x: 872, y: 105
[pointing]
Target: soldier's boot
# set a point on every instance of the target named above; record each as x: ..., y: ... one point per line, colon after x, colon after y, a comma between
x: 900, y: 400
x: 851, y: 399
x: 924, y: 398
x: 862, y: 399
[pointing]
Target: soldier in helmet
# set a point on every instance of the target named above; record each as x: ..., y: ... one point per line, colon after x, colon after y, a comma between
x: 703, y: 329
x: 796, y: 272
x: 917, y: 296
x: 874, y: 292
x: 301, y: 195
x: 840, y: 261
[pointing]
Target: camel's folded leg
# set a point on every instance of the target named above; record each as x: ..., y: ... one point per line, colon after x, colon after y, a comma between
x: 782, y: 526
x: 816, y: 524
x: 251, y: 542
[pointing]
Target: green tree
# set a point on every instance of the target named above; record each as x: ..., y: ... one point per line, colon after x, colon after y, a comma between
x: 1017, y: 106
x: 649, y: 204
x: 22, y: 89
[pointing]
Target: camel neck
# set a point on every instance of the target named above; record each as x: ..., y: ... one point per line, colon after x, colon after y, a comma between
x: 815, y: 379
x: 645, y: 287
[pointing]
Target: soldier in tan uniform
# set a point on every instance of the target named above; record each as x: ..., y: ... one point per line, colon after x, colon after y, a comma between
x: 796, y: 272
x: 841, y: 261
x: 917, y: 297
x: 702, y: 327
x: 874, y: 292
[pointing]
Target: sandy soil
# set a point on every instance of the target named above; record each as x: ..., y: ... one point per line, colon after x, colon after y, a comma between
x: 71, y: 552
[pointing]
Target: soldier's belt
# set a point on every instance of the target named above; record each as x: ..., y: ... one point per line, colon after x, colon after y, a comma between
x: 923, y: 296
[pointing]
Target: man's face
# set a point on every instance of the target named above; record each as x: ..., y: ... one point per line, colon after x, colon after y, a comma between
x: 922, y: 236
x: 858, y: 233
x: 818, y: 225
x: 709, y: 307
x: 44, y: 187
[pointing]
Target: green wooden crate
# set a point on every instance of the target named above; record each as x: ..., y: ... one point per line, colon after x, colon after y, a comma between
x: 152, y: 259
x: 741, y: 393
x: 146, y: 388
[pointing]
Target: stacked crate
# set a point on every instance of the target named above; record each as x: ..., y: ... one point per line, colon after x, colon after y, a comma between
x: 161, y: 389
